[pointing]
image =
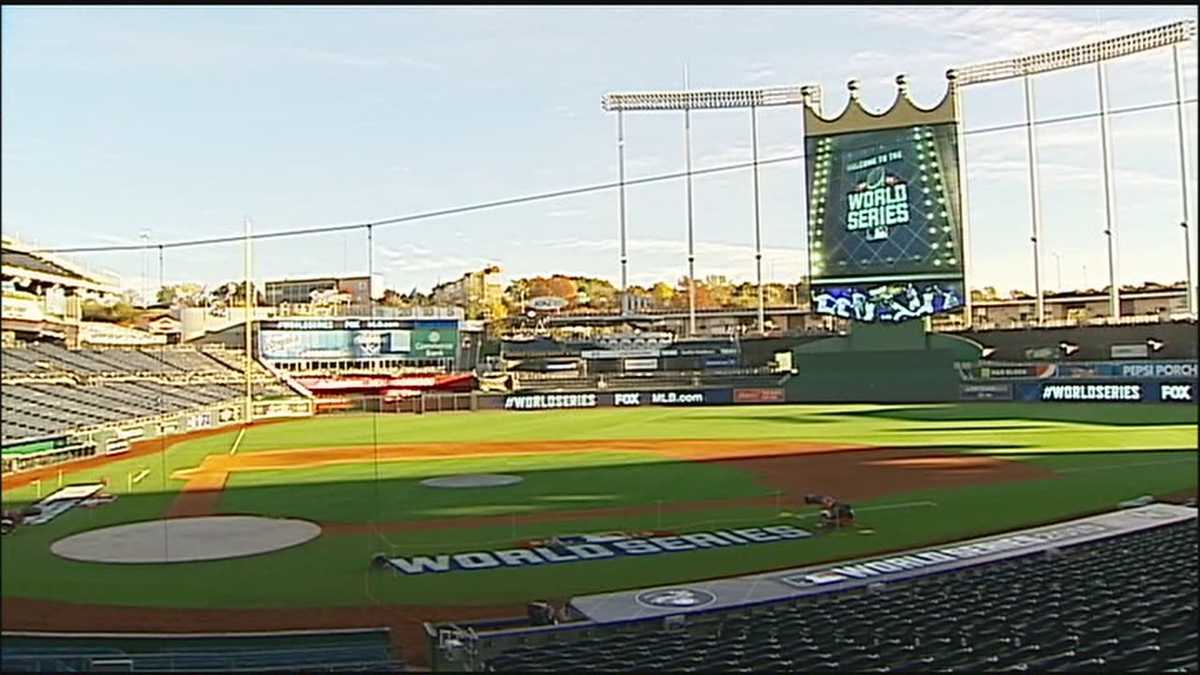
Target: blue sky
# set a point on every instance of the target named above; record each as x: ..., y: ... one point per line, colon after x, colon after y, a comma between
x: 182, y: 121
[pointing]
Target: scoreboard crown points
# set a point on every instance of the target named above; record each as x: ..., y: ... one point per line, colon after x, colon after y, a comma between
x: 902, y: 113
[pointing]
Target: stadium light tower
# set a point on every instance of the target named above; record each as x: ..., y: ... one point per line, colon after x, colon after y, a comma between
x: 703, y: 99
x: 1184, y: 183
x: 1098, y: 52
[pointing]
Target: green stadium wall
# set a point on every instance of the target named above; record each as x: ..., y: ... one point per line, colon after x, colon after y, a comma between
x: 880, y: 364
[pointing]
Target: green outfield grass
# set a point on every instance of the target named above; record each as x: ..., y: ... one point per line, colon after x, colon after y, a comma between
x: 1099, y: 454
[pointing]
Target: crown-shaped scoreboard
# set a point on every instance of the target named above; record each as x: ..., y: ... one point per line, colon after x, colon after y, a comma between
x: 884, y: 209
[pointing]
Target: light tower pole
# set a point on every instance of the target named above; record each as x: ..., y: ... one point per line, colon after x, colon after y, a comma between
x: 706, y: 99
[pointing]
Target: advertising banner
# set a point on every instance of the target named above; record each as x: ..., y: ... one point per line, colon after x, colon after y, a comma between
x: 199, y: 421
x: 641, y: 364
x: 357, y: 339
x: 434, y: 343
x: 550, y: 401
x: 1142, y: 391
x: 986, y: 391
x: 1154, y: 370
x: 697, y: 397
x: 1018, y: 371
x: 1159, y: 369
x: 1138, y: 351
x: 758, y: 396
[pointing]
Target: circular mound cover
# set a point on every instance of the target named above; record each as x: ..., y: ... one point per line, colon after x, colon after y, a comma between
x: 472, y: 480
x: 186, y: 539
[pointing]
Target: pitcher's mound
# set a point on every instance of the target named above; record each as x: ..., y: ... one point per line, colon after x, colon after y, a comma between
x: 472, y: 480
x: 186, y: 539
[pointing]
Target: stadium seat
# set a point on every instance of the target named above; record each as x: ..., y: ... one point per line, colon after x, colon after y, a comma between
x: 1029, y: 613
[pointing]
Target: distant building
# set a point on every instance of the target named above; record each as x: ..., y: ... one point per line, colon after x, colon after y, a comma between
x: 1153, y: 304
x: 361, y: 290
x: 475, y: 292
x: 43, y: 294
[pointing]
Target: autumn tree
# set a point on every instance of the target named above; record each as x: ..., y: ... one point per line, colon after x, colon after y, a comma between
x: 662, y: 294
x: 119, y: 312
x: 185, y: 294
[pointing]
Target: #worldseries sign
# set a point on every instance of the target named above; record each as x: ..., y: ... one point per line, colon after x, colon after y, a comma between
x: 549, y: 401
x: 593, y: 548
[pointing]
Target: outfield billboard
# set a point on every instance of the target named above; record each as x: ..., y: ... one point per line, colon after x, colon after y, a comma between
x: 885, y: 214
x: 1140, y: 391
x: 357, y: 339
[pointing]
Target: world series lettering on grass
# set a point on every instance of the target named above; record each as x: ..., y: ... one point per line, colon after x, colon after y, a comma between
x: 539, y: 555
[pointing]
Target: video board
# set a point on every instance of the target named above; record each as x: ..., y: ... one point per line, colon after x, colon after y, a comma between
x: 357, y: 339
x: 885, y: 228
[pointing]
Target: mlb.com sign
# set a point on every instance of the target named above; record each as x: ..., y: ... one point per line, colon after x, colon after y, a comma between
x: 659, y: 398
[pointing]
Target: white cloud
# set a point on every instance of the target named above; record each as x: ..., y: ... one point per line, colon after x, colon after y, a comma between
x: 641, y: 165
x: 403, y: 251
x: 759, y: 72
x: 335, y: 58
x: 993, y: 170
x: 996, y: 31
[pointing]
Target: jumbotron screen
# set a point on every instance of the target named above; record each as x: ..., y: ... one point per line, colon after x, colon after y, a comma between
x: 884, y: 221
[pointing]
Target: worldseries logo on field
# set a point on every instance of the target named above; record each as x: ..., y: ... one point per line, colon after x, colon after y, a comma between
x: 675, y: 598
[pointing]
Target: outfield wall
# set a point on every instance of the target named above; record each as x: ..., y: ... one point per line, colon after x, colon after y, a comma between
x: 1140, y: 381
x: 670, y: 397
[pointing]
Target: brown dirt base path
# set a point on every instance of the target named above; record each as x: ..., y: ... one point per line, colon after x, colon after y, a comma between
x: 780, y: 463
x: 851, y: 472
x: 140, y: 448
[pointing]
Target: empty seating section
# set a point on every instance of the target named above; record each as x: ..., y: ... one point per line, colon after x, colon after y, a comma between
x: 236, y: 360
x: 1122, y: 604
x: 325, y: 655
x: 51, y: 390
x: 45, y: 358
x: 32, y: 410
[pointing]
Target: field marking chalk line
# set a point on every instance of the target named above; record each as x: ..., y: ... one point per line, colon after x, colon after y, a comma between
x: 238, y: 441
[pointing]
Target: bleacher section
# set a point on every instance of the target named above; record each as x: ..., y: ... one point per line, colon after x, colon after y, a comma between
x: 1121, y: 604
x: 50, y: 390
x: 51, y: 359
x: 32, y: 410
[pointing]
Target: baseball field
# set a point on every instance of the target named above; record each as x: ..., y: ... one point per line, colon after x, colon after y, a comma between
x: 914, y: 474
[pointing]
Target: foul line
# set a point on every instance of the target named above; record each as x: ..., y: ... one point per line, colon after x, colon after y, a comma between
x: 238, y: 441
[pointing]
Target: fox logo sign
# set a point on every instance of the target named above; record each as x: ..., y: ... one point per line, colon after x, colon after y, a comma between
x: 1176, y: 392
x: 628, y: 399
